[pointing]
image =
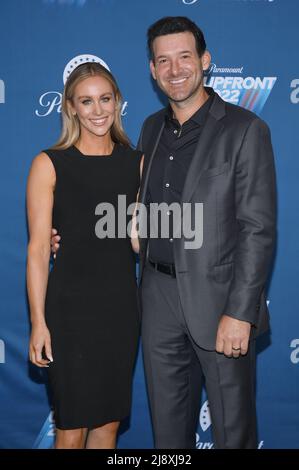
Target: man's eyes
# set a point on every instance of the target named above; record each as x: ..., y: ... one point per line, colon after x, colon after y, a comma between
x: 162, y: 61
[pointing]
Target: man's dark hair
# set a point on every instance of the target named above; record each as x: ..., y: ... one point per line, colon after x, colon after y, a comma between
x: 172, y: 25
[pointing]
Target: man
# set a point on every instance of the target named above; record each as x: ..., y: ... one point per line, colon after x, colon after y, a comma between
x: 202, y: 308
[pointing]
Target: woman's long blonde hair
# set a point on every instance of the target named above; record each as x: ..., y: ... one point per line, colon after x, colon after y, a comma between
x: 70, y: 124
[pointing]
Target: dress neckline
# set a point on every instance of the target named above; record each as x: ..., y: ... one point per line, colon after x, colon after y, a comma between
x: 101, y: 157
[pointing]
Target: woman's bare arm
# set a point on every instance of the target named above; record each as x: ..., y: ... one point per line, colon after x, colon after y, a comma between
x: 40, y: 187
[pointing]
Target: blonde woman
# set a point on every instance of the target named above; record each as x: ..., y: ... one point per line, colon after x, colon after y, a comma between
x: 84, y: 313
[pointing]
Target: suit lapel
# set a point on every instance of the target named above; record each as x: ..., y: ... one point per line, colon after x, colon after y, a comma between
x: 204, y: 148
x: 155, y: 137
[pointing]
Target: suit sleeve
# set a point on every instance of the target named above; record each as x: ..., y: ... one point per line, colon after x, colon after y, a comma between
x: 255, y: 206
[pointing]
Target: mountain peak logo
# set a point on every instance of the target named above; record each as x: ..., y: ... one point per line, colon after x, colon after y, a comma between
x: 205, y: 422
x: 205, y: 416
x: 50, y: 101
x: 79, y: 60
x: 246, y: 91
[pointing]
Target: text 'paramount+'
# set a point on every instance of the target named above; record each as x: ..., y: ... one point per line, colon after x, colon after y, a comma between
x: 173, y: 220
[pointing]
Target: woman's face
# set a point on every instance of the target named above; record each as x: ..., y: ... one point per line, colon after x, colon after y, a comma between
x: 94, y: 103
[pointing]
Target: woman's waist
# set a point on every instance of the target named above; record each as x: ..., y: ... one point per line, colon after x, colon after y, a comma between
x: 88, y: 253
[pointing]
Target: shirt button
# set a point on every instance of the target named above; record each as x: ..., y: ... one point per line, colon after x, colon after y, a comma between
x: 171, y: 157
x: 167, y: 185
x: 168, y: 212
x: 175, y: 131
x: 171, y: 240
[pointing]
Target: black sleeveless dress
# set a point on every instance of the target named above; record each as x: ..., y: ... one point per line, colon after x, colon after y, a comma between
x: 91, y: 301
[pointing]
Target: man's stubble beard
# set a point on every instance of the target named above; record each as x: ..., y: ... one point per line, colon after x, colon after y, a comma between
x: 188, y: 97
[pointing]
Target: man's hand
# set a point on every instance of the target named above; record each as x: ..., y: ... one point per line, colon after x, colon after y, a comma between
x: 232, y: 336
x: 55, y: 242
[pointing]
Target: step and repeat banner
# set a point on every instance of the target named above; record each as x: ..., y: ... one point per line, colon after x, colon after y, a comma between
x: 254, y: 47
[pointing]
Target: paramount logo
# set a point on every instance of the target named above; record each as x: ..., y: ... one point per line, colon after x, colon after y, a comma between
x: 205, y: 416
x: 250, y: 92
x: 205, y: 423
x: 50, y: 101
x: 214, y: 69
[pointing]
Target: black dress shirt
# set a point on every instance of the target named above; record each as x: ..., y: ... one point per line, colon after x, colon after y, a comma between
x: 168, y: 172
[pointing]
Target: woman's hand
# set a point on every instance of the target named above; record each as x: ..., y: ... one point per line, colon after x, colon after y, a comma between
x: 134, y: 232
x: 40, y: 338
x: 55, y: 239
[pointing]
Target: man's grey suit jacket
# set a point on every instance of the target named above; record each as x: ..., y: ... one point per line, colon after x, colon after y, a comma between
x: 232, y: 174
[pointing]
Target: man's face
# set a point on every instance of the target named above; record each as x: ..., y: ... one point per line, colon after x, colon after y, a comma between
x: 177, y: 67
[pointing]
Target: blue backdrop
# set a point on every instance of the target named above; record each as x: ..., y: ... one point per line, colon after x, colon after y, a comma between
x: 255, y: 64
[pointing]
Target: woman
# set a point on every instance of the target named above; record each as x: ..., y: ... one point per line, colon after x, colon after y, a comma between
x: 84, y: 313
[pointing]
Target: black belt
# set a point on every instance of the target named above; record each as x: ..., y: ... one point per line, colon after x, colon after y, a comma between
x: 163, y: 268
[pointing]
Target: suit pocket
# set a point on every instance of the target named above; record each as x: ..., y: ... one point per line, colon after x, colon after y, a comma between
x: 215, y: 171
x: 223, y: 272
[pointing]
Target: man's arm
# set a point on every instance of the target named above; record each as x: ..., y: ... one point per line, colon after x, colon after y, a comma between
x: 255, y: 206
